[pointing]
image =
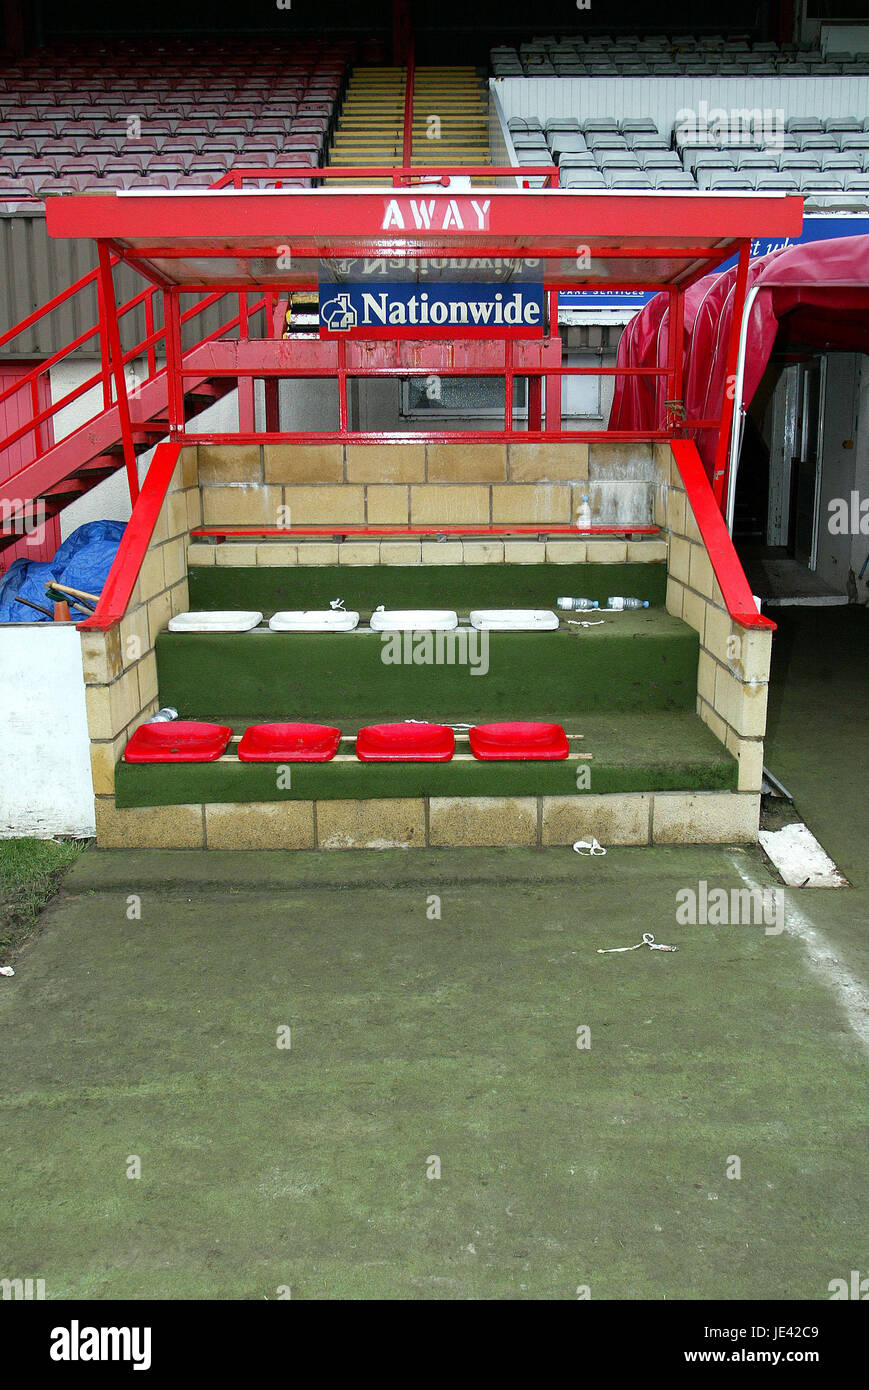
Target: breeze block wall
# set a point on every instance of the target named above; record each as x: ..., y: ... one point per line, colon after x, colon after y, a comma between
x: 424, y: 485
x: 120, y: 667
x: 734, y: 663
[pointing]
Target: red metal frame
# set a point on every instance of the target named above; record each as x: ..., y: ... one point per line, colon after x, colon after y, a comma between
x: 678, y: 239
x: 722, y: 449
x: 112, y: 364
x: 734, y: 586
x: 112, y: 336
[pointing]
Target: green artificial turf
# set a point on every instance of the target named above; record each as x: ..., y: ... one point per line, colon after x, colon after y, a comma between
x: 631, y: 661
x: 363, y: 587
x: 661, y: 751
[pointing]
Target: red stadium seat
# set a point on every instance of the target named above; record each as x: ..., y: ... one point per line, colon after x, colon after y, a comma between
x: 178, y: 741
x: 405, y: 743
x: 289, y: 743
x: 518, y: 741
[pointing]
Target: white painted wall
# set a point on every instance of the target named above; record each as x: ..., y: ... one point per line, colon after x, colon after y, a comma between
x: 45, y: 771
x: 662, y: 97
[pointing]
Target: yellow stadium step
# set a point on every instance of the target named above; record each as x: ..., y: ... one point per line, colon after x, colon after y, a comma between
x: 370, y: 126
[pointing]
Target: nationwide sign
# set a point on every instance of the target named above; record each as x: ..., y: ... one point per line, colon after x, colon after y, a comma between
x: 436, y: 310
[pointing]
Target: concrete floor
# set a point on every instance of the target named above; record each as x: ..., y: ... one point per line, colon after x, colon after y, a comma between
x: 606, y: 1167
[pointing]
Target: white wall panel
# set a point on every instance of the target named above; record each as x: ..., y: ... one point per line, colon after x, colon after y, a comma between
x: 662, y: 97
x: 45, y: 771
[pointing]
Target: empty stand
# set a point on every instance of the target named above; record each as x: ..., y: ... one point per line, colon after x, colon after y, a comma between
x: 167, y: 114
x: 659, y: 56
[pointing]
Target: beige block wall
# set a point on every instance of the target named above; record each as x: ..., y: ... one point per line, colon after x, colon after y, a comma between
x: 394, y: 484
x: 401, y: 485
x: 120, y: 665
x: 233, y: 485
x: 640, y: 818
x: 733, y: 670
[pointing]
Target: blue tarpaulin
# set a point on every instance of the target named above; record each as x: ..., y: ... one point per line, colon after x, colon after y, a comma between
x: 83, y: 562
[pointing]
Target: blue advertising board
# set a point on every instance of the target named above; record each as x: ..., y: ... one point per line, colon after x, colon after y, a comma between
x: 433, y: 310
x: 814, y: 229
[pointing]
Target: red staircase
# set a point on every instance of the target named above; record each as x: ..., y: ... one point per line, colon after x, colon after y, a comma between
x: 41, y: 468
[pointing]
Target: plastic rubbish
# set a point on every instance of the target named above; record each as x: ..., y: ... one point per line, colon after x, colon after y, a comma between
x: 6, y: 970
x: 648, y: 940
x: 619, y: 603
x: 163, y: 716
x: 583, y: 513
x: 578, y: 605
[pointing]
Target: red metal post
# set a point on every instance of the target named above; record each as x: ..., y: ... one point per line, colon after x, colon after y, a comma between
x: 104, y: 347
x: 342, y: 384
x: 673, y: 414
x: 677, y: 330
x: 174, y: 382
x: 719, y: 474
x: 553, y: 383
x: 246, y: 412
x: 113, y: 337
x: 407, y: 138
x: 149, y: 333
x: 34, y: 409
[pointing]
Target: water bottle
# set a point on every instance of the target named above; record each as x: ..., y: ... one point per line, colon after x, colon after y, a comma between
x: 583, y: 514
x: 164, y: 715
x: 578, y: 605
x: 620, y: 603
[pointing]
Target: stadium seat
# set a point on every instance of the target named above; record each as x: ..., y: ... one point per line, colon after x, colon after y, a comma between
x: 518, y: 741
x: 405, y: 743
x: 291, y: 743
x: 179, y: 741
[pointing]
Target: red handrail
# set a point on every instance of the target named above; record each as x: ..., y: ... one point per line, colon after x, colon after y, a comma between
x: 734, y: 586
x: 147, y: 345
x: 339, y: 529
x: 137, y: 535
x: 405, y: 174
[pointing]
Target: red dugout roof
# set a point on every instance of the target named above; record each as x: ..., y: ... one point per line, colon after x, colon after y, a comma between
x: 277, y: 238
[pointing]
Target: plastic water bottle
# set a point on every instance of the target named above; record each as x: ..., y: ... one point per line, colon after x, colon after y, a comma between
x: 578, y: 605
x: 164, y: 715
x: 583, y: 514
x: 619, y: 603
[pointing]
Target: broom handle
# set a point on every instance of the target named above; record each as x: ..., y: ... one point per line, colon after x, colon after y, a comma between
x: 74, y: 593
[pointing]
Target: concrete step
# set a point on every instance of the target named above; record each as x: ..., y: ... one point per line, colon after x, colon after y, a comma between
x: 617, y: 753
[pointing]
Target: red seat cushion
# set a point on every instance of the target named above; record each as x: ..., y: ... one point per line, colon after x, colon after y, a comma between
x: 178, y: 741
x: 405, y: 743
x: 518, y: 740
x: 289, y: 743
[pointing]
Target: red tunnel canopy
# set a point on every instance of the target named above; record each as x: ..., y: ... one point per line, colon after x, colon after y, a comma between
x: 815, y: 295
